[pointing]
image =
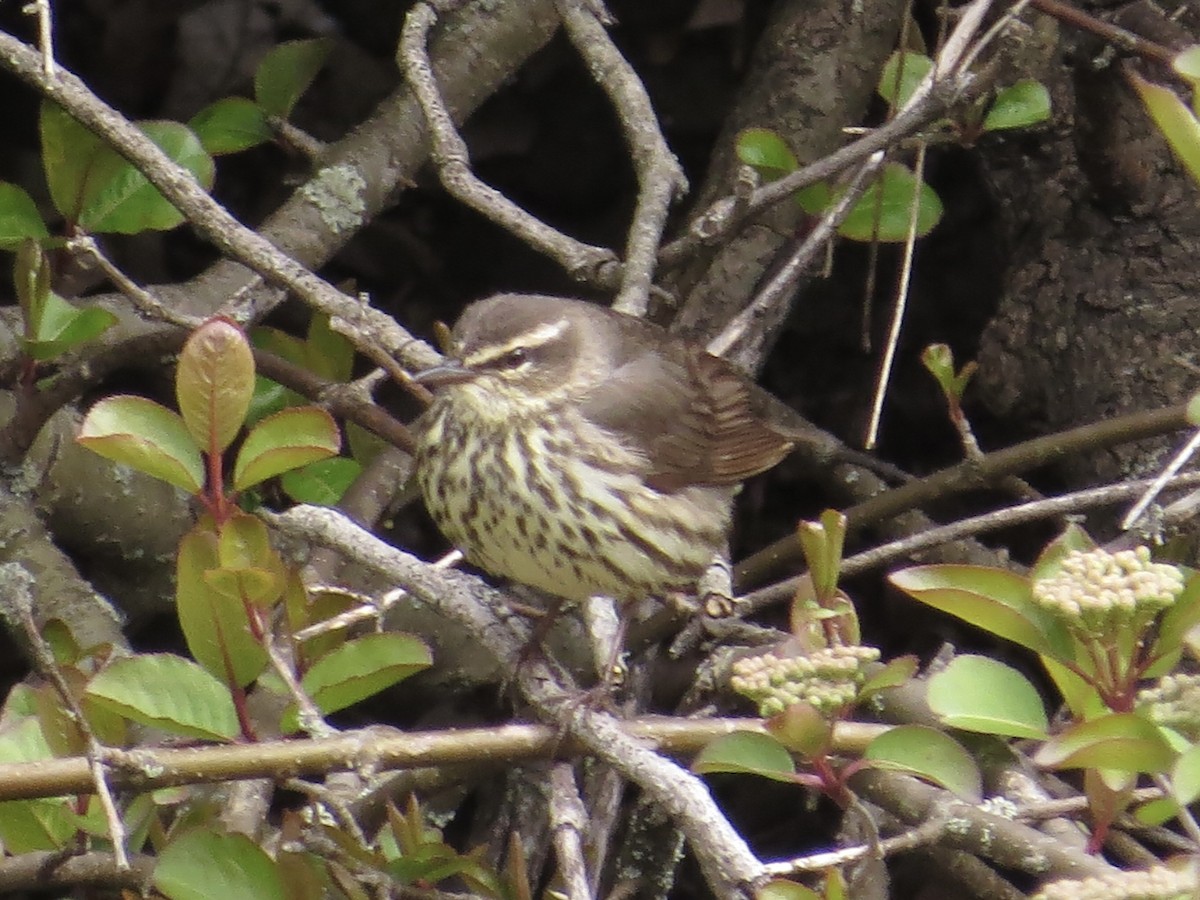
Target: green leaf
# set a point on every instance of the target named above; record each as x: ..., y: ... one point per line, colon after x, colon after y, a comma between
x: 766, y: 152
x: 1050, y: 560
x: 321, y: 483
x: 1081, y: 697
x: 1018, y: 106
x: 146, y: 436
x: 976, y: 693
x: 287, y: 440
x: 286, y: 73
x: 329, y: 353
x: 203, y: 864
x: 31, y: 278
x: 119, y: 199
x: 928, y: 754
x: 747, y: 753
x: 19, y: 218
x: 893, y: 674
x: 1179, y: 619
x: 168, y: 692
x: 1193, y: 409
x: 1185, y: 777
x: 1124, y: 742
x: 215, y: 624
x: 231, y: 125
x: 1187, y: 63
x: 992, y: 599
x: 1156, y: 812
x: 887, y: 203
x: 1174, y: 119
x: 362, y: 668
x: 63, y: 327
x: 896, y: 85
x: 68, y: 153
x: 214, y: 383
x: 782, y: 889
x: 27, y: 826
x: 802, y: 729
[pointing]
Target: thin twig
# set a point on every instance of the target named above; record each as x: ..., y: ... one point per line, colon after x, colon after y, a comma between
x: 583, y: 262
x: 1177, y: 462
x: 660, y: 177
x: 369, y: 609
x: 145, y: 302
x: 1033, y: 511
x: 310, y: 718
x: 784, y: 279
x: 41, y: 9
x: 208, y: 217
x: 568, y: 818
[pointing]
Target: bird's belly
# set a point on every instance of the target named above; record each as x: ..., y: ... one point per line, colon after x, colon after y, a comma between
x: 529, y: 506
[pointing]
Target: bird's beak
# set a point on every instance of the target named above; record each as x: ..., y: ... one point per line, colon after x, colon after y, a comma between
x: 448, y: 373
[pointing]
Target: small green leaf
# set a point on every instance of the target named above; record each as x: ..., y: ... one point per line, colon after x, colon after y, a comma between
x: 992, y: 599
x: 1177, y: 620
x: 1193, y: 409
x: 1187, y: 63
x: 363, y: 667
x: 976, y: 693
x: 929, y: 754
x: 1081, y: 697
x: 782, y: 889
x: 286, y: 72
x: 69, y: 152
x: 747, y: 753
x: 287, y: 440
x: 214, y: 383
x: 1174, y: 119
x: 895, y: 673
x: 169, y: 692
x: 766, y: 151
x: 1185, y: 777
x: 31, y: 278
x: 146, y: 436
x: 888, y: 204
x: 119, y: 199
x: 1156, y: 812
x: 1018, y: 106
x: 19, y: 218
x: 231, y: 125
x: 321, y: 483
x: 1049, y: 562
x: 203, y: 864
x: 802, y: 729
x: 822, y: 543
x: 63, y: 327
x: 896, y: 85
x: 215, y: 624
x: 1124, y: 742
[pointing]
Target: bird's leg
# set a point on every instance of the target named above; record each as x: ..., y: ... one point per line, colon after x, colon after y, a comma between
x: 715, y: 590
x: 606, y: 624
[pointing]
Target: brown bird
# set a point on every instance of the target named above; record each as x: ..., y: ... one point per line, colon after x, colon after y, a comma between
x: 584, y: 452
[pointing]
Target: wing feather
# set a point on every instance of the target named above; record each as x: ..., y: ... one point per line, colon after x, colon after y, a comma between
x: 693, y: 417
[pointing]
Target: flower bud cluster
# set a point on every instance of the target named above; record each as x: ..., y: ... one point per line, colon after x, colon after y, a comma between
x: 1159, y: 883
x: 827, y: 679
x: 1097, y: 593
x: 1175, y: 703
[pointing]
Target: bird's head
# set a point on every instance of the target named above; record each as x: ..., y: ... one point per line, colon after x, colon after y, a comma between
x: 520, y: 353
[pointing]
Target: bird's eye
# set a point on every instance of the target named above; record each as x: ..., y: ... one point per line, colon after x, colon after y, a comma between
x: 514, y: 358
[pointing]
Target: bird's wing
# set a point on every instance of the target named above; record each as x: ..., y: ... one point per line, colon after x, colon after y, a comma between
x: 694, y: 417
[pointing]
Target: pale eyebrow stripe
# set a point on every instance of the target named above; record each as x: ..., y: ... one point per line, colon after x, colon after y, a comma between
x: 535, y: 337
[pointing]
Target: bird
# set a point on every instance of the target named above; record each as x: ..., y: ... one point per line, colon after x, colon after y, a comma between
x: 584, y: 452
